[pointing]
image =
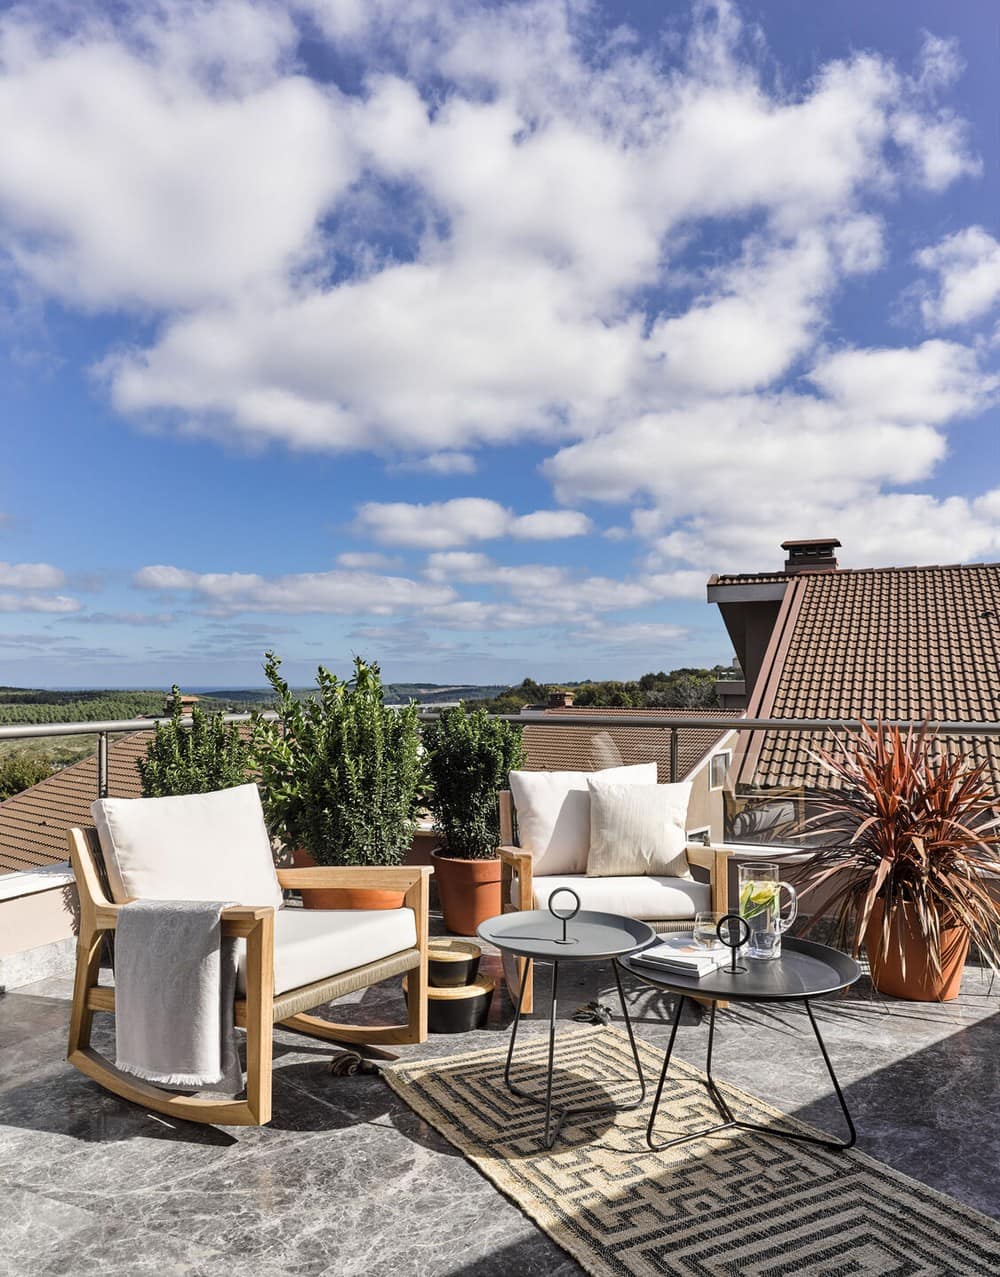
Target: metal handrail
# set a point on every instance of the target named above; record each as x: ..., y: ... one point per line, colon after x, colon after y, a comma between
x: 15, y: 731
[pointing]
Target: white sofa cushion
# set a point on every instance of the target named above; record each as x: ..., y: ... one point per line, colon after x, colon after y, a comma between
x: 638, y: 829
x: 314, y: 944
x: 196, y: 847
x: 651, y: 899
x: 553, y: 813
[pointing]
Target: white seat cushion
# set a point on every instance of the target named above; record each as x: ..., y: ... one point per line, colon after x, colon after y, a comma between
x: 553, y: 812
x: 314, y: 944
x: 648, y: 898
x: 195, y: 847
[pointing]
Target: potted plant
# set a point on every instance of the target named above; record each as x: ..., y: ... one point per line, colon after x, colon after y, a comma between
x: 210, y: 754
x: 340, y: 778
x: 469, y: 756
x: 910, y: 841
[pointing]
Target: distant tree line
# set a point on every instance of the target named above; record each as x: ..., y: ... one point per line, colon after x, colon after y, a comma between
x: 685, y: 688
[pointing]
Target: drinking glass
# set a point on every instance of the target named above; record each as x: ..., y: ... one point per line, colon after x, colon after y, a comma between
x: 760, y: 905
x: 706, y: 934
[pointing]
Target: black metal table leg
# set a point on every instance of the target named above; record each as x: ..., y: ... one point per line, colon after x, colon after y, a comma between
x: 730, y: 1121
x: 552, y: 1128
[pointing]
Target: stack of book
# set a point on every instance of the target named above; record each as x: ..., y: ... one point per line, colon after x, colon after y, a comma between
x: 679, y: 955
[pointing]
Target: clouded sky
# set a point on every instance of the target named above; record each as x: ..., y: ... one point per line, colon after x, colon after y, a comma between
x: 473, y: 337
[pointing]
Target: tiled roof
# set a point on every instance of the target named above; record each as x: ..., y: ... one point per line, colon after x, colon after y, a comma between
x: 33, y: 824
x: 907, y: 643
x: 593, y: 748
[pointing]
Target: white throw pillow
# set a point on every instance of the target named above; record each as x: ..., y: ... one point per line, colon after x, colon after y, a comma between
x: 553, y: 813
x: 638, y: 829
x: 195, y: 847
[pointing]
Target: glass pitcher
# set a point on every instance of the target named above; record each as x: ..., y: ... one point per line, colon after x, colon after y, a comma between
x: 760, y: 905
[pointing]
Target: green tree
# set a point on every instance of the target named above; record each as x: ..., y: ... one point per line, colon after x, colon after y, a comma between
x: 341, y: 775
x: 469, y: 756
x: 208, y: 755
x: 21, y: 771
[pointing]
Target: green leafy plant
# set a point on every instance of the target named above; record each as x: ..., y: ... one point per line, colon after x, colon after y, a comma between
x: 20, y: 771
x: 340, y: 774
x: 208, y: 755
x: 469, y: 756
x: 907, y: 825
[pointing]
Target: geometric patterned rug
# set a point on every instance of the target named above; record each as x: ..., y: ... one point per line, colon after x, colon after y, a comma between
x: 731, y: 1205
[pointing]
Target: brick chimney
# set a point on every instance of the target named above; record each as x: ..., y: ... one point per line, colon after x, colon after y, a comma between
x: 560, y: 700
x: 816, y: 555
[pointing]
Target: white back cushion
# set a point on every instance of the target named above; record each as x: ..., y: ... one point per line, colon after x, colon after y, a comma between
x: 553, y: 813
x: 638, y: 829
x: 196, y: 847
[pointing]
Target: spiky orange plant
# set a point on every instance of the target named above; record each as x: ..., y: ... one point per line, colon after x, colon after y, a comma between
x: 907, y: 824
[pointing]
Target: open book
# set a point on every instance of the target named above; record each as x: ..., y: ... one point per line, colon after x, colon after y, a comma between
x: 679, y: 955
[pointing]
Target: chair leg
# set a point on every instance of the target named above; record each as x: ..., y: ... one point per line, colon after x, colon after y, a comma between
x: 88, y: 966
x: 259, y: 1017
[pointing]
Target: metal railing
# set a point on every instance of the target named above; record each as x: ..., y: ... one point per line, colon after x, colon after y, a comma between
x: 674, y: 725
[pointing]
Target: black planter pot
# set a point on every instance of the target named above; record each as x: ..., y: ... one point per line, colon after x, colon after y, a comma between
x: 452, y: 963
x: 458, y: 1010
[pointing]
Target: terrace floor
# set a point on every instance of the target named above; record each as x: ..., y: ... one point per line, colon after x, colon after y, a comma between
x: 347, y: 1181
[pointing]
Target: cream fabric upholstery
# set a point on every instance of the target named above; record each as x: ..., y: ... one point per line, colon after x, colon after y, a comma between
x: 196, y: 847
x: 635, y: 896
x: 313, y: 944
x: 553, y: 813
x: 638, y: 829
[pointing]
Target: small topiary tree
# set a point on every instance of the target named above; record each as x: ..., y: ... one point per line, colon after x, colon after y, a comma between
x: 208, y: 755
x: 469, y: 756
x: 340, y: 774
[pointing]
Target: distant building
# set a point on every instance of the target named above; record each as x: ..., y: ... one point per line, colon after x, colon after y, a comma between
x: 703, y: 754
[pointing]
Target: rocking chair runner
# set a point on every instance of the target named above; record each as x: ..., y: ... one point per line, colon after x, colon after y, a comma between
x: 260, y: 1008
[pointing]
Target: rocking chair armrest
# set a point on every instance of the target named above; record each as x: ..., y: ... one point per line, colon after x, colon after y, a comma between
x: 379, y: 877
x: 237, y: 920
x: 515, y: 860
x: 516, y: 857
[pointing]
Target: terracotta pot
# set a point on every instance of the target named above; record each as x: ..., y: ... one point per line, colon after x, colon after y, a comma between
x: 919, y: 983
x: 342, y: 897
x: 469, y: 891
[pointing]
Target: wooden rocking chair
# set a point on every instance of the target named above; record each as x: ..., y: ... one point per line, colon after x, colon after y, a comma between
x: 260, y: 1008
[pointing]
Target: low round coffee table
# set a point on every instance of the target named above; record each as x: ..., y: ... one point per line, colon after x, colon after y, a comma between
x: 804, y: 970
x: 537, y: 936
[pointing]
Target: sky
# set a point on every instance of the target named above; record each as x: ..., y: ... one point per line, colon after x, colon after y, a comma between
x: 474, y: 337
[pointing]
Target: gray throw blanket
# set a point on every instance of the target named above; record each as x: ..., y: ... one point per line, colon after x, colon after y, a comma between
x: 175, y: 983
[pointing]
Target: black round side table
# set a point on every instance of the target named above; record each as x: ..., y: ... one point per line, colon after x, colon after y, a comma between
x: 804, y: 970
x: 589, y: 936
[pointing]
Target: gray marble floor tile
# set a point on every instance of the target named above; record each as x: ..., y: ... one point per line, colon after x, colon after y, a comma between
x: 31, y: 1226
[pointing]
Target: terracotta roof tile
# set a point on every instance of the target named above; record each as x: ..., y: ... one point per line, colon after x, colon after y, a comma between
x: 33, y: 824
x: 920, y: 643
x: 594, y: 748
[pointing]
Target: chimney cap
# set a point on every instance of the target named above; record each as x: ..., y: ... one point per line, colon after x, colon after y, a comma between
x: 813, y: 543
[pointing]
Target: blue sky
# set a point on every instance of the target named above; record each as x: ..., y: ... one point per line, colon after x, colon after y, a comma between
x: 473, y: 338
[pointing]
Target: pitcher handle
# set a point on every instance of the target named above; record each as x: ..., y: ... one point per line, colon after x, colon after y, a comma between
x: 784, y: 922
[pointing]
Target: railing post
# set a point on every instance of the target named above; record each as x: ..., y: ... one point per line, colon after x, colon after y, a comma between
x: 673, y: 755
x: 102, y: 764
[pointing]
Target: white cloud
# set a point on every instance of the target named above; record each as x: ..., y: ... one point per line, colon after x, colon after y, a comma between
x: 442, y: 463
x: 538, y: 201
x: 365, y: 560
x: 934, y: 382
x: 336, y: 592
x: 446, y: 523
x: 56, y: 603
x: 31, y: 576
x: 132, y: 170
x: 968, y: 269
